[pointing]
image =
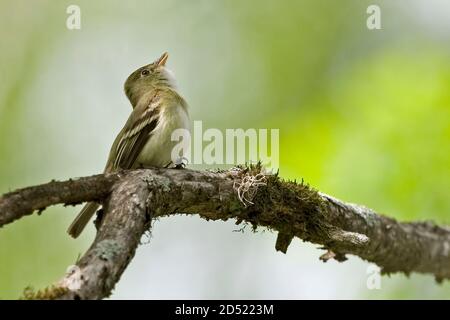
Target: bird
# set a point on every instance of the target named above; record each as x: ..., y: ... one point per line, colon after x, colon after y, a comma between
x: 145, y: 140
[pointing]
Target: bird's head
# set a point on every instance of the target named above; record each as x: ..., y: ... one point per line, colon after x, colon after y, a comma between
x: 149, y: 77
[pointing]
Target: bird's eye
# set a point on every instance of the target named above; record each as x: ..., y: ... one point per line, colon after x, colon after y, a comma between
x: 145, y: 72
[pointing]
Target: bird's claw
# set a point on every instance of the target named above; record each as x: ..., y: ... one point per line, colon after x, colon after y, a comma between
x: 181, y: 163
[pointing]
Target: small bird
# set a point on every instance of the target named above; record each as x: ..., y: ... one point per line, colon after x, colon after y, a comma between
x: 145, y: 140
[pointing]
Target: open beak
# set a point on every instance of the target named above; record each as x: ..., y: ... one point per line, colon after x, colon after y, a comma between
x: 162, y: 60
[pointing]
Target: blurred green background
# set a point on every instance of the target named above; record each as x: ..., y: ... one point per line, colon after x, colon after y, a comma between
x: 363, y: 115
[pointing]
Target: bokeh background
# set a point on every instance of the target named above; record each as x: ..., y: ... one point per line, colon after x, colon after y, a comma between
x: 363, y: 115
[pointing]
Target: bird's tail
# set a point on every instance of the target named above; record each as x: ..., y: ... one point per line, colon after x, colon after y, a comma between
x: 82, y: 219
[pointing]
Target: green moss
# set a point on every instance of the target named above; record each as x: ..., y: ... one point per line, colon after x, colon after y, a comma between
x: 291, y: 208
x: 49, y: 293
x: 235, y: 207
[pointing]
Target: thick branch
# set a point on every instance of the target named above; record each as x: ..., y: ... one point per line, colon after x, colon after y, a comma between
x: 133, y: 199
x: 16, y: 204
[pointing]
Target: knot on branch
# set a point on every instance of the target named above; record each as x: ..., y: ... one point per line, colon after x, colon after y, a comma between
x: 347, y: 238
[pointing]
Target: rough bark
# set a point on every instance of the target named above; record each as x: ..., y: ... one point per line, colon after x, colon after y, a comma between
x: 132, y: 199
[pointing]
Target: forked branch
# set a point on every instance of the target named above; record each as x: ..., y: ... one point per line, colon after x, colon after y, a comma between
x: 133, y: 198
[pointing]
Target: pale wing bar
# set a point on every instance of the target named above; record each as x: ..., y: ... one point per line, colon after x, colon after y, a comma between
x: 136, y: 137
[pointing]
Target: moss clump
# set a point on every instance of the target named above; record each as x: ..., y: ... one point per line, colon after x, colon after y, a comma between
x: 291, y: 208
x: 50, y: 293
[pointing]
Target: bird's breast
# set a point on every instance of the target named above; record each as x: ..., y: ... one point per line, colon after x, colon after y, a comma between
x: 157, y: 151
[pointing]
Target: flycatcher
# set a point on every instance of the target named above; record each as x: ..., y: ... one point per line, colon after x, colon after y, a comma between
x: 145, y: 140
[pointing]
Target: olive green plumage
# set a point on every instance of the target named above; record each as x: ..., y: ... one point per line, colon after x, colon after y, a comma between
x: 145, y: 140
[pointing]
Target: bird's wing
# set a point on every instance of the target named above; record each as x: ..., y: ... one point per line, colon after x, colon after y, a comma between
x: 133, y: 137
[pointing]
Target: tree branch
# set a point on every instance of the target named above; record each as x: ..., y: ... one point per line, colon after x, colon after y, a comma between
x: 133, y: 198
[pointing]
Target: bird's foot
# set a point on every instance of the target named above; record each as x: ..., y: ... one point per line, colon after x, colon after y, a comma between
x: 181, y: 163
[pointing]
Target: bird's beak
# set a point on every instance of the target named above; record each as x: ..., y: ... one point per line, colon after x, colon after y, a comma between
x: 162, y: 60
